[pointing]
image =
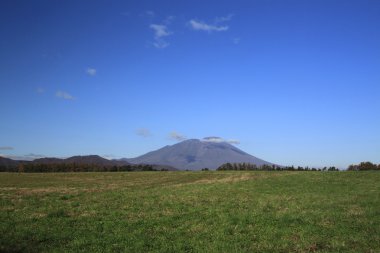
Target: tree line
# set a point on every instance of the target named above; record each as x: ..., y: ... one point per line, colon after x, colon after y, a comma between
x: 364, y: 166
x: 75, y: 167
x: 266, y: 167
x: 81, y: 167
x: 248, y: 166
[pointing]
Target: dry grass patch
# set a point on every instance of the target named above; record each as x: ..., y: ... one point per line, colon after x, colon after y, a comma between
x: 355, y: 211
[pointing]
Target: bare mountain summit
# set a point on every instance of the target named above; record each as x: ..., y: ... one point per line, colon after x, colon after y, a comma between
x: 196, y: 154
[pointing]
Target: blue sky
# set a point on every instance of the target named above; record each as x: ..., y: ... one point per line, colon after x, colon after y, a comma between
x: 295, y: 82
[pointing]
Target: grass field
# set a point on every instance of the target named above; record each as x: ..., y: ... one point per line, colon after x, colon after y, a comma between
x: 190, y: 212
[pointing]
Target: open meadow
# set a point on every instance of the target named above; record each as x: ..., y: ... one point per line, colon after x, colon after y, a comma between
x: 230, y: 211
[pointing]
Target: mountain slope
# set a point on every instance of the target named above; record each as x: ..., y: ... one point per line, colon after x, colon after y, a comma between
x: 196, y: 154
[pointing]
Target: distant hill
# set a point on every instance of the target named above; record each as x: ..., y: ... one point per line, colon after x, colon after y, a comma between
x: 8, y: 163
x: 88, y: 159
x: 48, y: 160
x: 92, y: 161
x: 196, y: 154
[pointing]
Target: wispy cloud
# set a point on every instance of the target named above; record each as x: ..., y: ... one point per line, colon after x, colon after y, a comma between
x: 202, y: 26
x: 109, y: 156
x: 177, y: 136
x: 220, y: 140
x: 40, y: 90
x: 160, y: 32
x: 35, y: 156
x: 217, y: 26
x: 27, y: 157
x: 224, y: 18
x: 143, y: 132
x: 168, y: 20
x: 9, y: 156
x: 233, y: 141
x: 149, y: 13
x: 64, y: 95
x: 236, y: 40
x: 91, y: 71
x: 6, y: 148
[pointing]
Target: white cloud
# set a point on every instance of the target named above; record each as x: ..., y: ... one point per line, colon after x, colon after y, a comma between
x: 91, y: 71
x: 64, y: 95
x: 160, y: 32
x: 216, y: 26
x: 215, y: 139
x: 177, y: 136
x: 143, y: 132
x: 6, y: 148
x: 202, y: 26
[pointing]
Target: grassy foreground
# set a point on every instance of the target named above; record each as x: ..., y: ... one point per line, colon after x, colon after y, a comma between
x: 190, y: 212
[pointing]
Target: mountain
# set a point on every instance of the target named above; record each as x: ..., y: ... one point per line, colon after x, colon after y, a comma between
x: 6, y: 162
x: 191, y: 154
x: 196, y: 154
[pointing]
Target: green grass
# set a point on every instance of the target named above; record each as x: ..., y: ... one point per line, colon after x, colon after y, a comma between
x: 190, y: 212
